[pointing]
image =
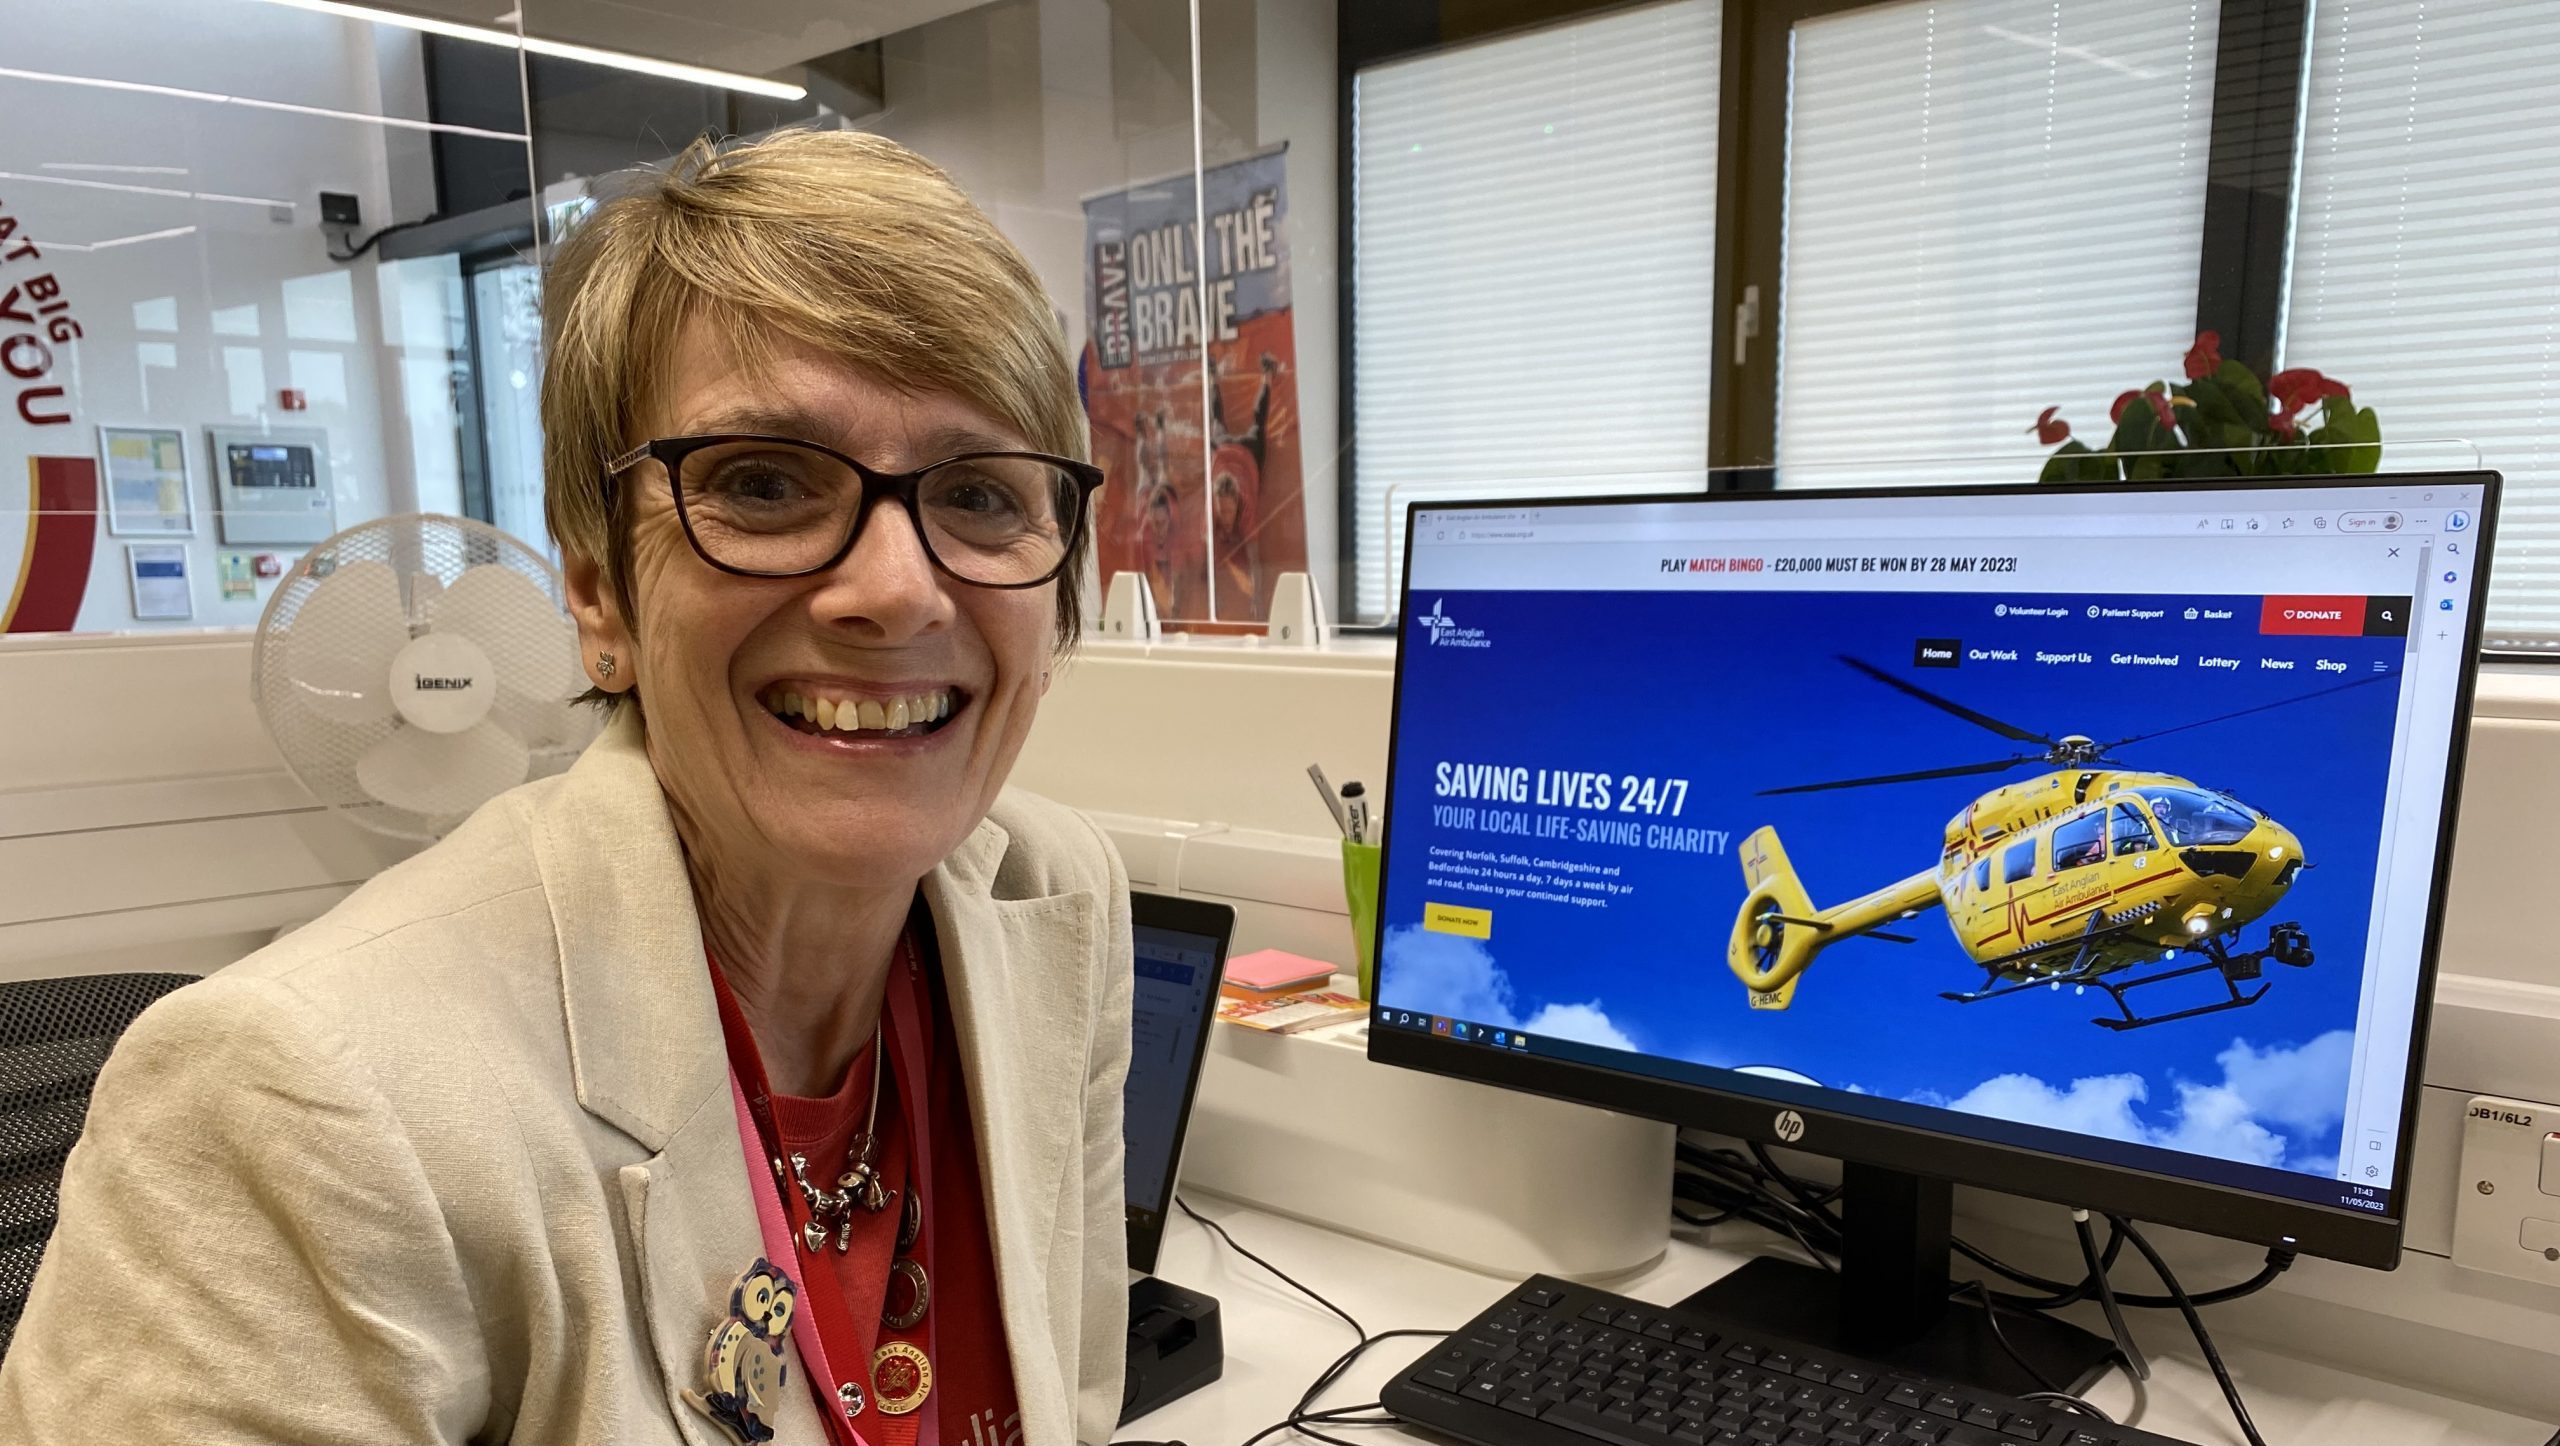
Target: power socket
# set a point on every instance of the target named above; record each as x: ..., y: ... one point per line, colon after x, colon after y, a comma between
x: 2507, y: 1217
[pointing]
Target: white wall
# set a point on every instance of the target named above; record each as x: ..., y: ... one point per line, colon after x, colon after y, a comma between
x: 208, y: 326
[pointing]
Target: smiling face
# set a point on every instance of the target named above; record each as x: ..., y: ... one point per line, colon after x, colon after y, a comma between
x: 849, y: 727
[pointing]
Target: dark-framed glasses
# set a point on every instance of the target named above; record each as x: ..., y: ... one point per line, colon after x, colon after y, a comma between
x: 763, y: 506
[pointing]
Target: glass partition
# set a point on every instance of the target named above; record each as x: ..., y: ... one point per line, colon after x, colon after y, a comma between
x: 1314, y: 261
x: 216, y: 351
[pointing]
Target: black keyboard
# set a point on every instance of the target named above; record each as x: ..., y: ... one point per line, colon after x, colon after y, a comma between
x: 1559, y: 1364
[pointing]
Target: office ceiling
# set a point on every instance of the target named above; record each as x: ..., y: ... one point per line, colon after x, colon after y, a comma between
x: 754, y: 37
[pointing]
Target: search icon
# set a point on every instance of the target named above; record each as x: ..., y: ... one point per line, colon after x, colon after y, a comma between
x: 2388, y: 617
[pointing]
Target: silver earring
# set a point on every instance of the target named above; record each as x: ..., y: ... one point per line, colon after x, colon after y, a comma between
x: 604, y: 665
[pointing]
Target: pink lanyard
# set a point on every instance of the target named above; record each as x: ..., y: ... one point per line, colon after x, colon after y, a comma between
x: 906, y: 1029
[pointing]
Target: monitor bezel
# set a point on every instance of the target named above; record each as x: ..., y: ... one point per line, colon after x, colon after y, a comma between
x: 1199, y: 918
x: 2334, y: 1232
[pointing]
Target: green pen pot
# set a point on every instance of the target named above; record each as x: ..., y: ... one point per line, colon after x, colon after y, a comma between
x: 1360, y: 891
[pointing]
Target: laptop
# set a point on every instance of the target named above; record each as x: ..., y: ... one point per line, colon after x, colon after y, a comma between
x: 1181, y: 953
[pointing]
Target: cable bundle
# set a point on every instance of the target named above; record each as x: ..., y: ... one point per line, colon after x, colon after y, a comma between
x: 1732, y: 1185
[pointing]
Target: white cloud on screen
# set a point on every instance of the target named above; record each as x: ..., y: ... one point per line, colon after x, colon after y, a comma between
x: 2259, y: 1113
x: 1585, y: 1022
x: 1448, y: 974
x: 2304, y: 1089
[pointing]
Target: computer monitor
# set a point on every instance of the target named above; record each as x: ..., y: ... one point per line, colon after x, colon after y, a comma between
x: 1181, y: 949
x: 2086, y: 843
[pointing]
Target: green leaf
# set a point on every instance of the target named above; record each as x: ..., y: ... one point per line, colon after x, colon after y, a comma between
x: 2137, y: 430
x: 2242, y: 386
x: 2212, y: 403
x: 2365, y: 430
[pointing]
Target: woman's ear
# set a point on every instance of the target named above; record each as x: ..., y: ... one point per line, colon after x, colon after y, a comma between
x: 606, y: 648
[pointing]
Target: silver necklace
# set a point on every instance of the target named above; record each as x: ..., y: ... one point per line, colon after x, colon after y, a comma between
x: 858, y: 1185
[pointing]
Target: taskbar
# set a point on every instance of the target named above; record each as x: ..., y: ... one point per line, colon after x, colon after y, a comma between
x: 2091, y: 1149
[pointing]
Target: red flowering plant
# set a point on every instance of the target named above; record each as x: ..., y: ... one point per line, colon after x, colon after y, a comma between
x: 2221, y: 422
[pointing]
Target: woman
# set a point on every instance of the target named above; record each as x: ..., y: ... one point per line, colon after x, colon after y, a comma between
x: 707, y: 1091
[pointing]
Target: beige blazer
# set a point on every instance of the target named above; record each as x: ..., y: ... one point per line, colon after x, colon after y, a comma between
x: 458, y: 1161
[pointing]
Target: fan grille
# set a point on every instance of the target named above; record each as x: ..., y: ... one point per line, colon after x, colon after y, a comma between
x: 534, y: 647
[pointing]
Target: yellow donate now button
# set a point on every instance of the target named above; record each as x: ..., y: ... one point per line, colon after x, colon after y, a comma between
x: 1458, y: 919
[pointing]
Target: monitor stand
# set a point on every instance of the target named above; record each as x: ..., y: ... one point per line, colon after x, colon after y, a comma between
x: 1891, y: 1300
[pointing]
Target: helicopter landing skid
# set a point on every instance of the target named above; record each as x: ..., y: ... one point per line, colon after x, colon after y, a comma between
x: 2287, y: 944
x: 2231, y: 978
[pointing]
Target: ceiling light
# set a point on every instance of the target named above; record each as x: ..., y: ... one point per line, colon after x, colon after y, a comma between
x: 111, y: 244
x: 133, y: 190
x: 117, y: 170
x: 213, y: 97
x: 616, y: 59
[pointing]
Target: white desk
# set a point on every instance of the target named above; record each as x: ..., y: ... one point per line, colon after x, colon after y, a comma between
x: 1277, y: 1341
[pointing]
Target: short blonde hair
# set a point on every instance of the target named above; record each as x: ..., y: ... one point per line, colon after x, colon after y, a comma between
x: 840, y: 240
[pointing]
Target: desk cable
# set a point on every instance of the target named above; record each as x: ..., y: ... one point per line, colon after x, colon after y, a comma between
x: 1304, y: 1417
x: 1753, y: 1187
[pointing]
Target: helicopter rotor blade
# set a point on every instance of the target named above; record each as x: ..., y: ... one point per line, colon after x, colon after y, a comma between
x: 1961, y: 770
x: 2010, y: 731
x: 2245, y: 712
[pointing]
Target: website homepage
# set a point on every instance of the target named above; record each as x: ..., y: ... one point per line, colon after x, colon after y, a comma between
x: 2092, y: 824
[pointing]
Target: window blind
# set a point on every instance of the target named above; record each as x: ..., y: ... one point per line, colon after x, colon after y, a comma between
x: 2426, y: 254
x: 1992, y: 207
x: 1533, y: 228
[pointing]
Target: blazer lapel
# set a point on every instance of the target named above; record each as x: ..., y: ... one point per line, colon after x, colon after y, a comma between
x: 693, y: 1233
x: 647, y: 1057
x: 644, y: 1031
x: 1018, y: 973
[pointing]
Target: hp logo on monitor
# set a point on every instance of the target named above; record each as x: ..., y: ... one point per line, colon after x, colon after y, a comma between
x: 1790, y: 1127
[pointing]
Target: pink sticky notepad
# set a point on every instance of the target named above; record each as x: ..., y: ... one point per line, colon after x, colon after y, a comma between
x: 1266, y: 971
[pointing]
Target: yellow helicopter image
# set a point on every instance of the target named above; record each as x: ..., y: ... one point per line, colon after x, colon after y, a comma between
x: 2074, y: 877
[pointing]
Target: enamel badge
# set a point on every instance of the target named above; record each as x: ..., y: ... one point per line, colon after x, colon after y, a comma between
x: 901, y: 1377
x: 744, y: 1361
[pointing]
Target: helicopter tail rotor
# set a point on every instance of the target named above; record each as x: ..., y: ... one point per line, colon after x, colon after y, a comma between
x: 1777, y: 930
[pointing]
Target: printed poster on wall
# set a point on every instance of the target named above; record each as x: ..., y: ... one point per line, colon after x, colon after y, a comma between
x: 1203, y: 493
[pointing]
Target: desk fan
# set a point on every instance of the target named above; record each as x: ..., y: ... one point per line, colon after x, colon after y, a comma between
x: 412, y: 668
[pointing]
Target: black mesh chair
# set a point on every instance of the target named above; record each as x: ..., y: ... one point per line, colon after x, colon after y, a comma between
x: 54, y: 1037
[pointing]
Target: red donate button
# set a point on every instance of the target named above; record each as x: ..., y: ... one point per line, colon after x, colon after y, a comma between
x: 2326, y: 616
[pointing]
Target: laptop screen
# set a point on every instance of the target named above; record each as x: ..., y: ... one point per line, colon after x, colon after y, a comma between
x: 1181, y: 949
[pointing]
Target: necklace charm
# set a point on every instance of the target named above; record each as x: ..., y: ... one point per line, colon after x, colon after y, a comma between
x: 825, y: 1208
x: 862, y: 1182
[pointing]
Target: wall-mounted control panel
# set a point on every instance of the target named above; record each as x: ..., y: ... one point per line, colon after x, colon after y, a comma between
x: 273, y: 484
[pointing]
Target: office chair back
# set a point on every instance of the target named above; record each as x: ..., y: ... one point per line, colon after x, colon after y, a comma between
x: 54, y: 1037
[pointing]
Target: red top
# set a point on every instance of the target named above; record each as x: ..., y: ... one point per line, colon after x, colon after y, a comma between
x: 963, y: 1328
